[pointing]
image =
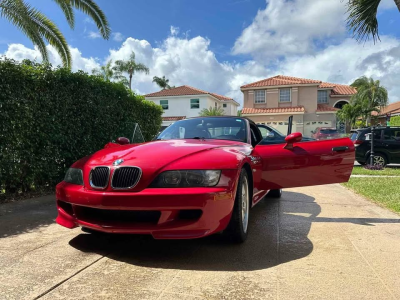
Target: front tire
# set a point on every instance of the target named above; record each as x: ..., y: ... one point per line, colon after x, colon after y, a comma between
x: 237, y: 229
x: 275, y: 193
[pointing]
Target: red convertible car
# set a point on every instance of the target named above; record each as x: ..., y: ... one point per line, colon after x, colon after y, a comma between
x: 200, y: 176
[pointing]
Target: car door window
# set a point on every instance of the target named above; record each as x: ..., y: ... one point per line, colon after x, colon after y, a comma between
x: 270, y: 136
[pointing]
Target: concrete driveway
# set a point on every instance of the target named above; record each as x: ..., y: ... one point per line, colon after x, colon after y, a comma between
x: 315, y: 243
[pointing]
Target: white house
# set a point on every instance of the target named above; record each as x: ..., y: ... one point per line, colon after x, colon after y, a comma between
x: 186, y: 102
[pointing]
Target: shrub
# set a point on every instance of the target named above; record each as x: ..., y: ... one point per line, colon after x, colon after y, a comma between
x: 49, y: 118
x: 395, y: 121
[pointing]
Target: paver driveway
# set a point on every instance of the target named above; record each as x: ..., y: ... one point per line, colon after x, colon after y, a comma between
x: 318, y: 242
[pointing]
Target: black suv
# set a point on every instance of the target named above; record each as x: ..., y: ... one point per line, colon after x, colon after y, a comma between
x: 386, y: 145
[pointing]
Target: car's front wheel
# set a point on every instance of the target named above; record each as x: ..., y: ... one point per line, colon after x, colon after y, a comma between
x: 275, y: 193
x: 237, y: 229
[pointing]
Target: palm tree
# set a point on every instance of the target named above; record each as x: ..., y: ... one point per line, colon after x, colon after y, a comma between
x: 162, y: 82
x: 370, y: 96
x: 362, y: 19
x: 350, y: 113
x: 108, y: 73
x: 212, y: 111
x: 38, y: 28
x: 130, y: 66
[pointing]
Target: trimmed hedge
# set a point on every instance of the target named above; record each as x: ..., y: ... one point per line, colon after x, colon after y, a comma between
x: 395, y: 121
x: 49, y: 118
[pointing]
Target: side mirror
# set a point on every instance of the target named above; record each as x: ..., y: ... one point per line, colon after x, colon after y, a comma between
x: 122, y: 141
x: 291, y: 139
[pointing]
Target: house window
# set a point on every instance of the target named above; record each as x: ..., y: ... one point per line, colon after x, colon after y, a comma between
x: 164, y: 104
x: 224, y: 105
x: 323, y: 96
x: 285, y: 95
x: 194, y: 103
x: 259, y: 97
x: 215, y: 104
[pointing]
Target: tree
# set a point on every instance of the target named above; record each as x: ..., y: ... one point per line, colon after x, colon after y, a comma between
x: 162, y: 82
x: 362, y: 19
x: 130, y: 66
x: 370, y: 96
x: 108, y: 73
x: 38, y: 28
x: 212, y: 111
x: 350, y: 113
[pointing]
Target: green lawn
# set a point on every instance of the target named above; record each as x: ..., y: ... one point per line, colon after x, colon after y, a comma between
x: 385, y: 191
x: 388, y: 171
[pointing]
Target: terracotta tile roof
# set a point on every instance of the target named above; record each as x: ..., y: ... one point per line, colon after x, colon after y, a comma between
x: 186, y: 90
x: 173, y: 118
x: 250, y: 110
x: 341, y: 89
x: 325, y: 107
x: 337, y: 89
x: 393, y: 108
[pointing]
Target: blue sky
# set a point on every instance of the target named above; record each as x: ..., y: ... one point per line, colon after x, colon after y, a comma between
x: 220, y: 45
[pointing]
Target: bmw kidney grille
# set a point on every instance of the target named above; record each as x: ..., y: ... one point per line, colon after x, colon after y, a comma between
x: 125, y: 177
x: 99, y: 177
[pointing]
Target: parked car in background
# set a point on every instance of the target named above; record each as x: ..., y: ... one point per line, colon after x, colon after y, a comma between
x: 325, y: 133
x: 386, y: 145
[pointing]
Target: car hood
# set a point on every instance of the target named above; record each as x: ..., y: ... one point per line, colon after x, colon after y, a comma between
x: 157, y: 154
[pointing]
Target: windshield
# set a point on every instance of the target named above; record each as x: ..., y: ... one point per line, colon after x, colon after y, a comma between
x: 233, y: 129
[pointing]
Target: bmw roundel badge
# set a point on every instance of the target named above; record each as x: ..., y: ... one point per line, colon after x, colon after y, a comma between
x: 118, y: 162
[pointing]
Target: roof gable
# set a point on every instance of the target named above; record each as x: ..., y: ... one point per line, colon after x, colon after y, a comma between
x: 186, y: 90
x: 279, y: 80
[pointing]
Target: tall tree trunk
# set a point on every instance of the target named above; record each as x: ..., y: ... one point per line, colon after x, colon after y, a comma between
x: 130, y: 81
x: 398, y: 4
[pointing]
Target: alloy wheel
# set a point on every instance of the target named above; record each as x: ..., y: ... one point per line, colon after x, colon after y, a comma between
x: 245, y: 204
x: 379, y: 161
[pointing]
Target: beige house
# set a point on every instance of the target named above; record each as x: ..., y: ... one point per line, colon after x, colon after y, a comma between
x: 312, y: 103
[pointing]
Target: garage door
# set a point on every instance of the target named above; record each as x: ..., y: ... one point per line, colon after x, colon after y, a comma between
x: 281, y: 126
x: 312, y: 125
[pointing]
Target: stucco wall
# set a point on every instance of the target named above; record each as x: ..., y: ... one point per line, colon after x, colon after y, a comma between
x: 308, y: 98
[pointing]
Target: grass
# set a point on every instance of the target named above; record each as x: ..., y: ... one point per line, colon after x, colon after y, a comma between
x: 383, y: 191
x: 388, y: 171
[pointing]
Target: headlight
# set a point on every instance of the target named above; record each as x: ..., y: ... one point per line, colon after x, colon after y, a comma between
x: 74, y: 176
x: 187, y: 178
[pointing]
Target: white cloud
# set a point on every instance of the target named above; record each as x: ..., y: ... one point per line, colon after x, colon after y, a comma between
x: 291, y: 28
x: 174, y: 30
x: 94, y: 35
x: 117, y: 36
x: 20, y: 52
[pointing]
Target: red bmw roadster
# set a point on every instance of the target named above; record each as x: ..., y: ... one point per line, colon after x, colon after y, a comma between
x: 200, y: 176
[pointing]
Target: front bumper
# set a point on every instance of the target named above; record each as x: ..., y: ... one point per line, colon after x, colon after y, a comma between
x: 175, y: 213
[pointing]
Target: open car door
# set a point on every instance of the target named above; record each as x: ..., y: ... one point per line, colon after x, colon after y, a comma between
x: 297, y: 163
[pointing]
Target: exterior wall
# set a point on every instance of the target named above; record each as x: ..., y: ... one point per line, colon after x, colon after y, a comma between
x: 307, y: 97
x: 180, y: 105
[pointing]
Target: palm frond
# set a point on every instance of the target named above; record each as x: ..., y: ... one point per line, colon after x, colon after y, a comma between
x: 362, y: 19
x: 52, y: 34
x: 68, y: 11
x: 22, y: 16
x: 141, y: 68
x: 90, y: 8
